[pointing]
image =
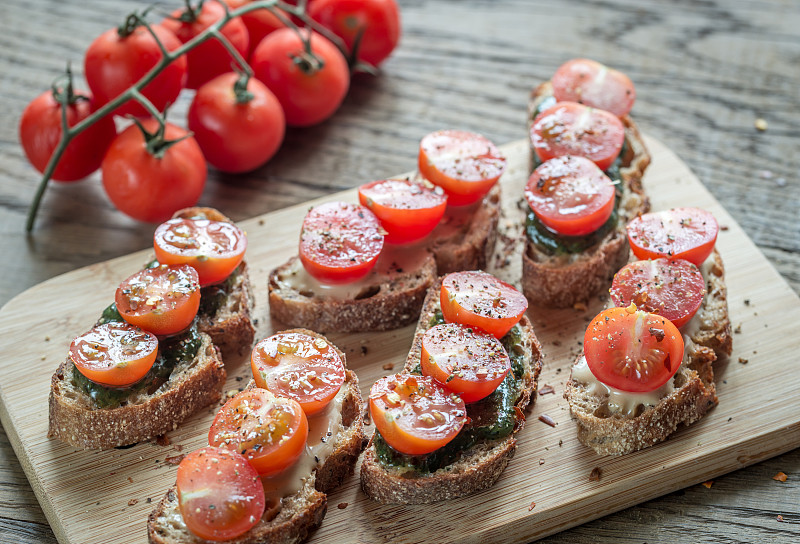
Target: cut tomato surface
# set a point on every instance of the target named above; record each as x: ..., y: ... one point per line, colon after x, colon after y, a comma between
x: 679, y: 233
x: 114, y: 354
x: 594, y: 84
x: 407, y: 210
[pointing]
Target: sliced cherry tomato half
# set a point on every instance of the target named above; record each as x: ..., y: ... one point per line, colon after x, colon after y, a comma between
x: 213, y: 248
x: 415, y: 414
x: 670, y: 288
x: 220, y: 495
x: 466, y: 165
x: 571, y: 195
x: 569, y: 128
x: 299, y: 366
x: 114, y: 354
x: 594, y: 84
x: 478, y: 299
x: 340, y: 242
x: 632, y: 350
x: 466, y: 361
x: 679, y: 233
x: 269, y: 431
x: 407, y: 210
x: 162, y: 300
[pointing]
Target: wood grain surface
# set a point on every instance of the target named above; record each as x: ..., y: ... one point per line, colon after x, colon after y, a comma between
x: 705, y: 71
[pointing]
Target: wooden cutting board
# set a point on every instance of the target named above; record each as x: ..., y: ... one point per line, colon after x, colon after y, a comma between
x: 104, y: 496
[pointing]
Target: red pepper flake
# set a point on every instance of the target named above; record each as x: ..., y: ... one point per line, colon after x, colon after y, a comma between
x: 547, y: 389
x: 708, y: 484
x: 520, y: 414
x: 779, y: 477
x: 779, y: 518
x: 596, y: 474
x: 175, y: 459
x: 132, y: 502
x: 544, y: 418
x: 533, y: 505
x: 341, y: 505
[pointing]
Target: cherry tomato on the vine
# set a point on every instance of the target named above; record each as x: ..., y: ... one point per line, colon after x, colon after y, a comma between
x: 679, y: 233
x: 408, y: 210
x: 594, y: 84
x: 259, y: 22
x: 152, y: 184
x: 114, y: 354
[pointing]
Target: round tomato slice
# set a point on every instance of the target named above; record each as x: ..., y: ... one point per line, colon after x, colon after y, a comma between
x: 415, y: 414
x: 464, y: 360
x: 220, y: 495
x: 670, y: 288
x: 114, y: 354
x: 407, y: 210
x: 466, y: 165
x: 594, y: 84
x: 269, y: 431
x: 569, y: 128
x: 340, y: 242
x: 298, y: 366
x: 571, y: 195
x: 679, y: 233
x: 213, y: 248
x: 632, y: 350
x: 478, y: 299
x: 162, y: 300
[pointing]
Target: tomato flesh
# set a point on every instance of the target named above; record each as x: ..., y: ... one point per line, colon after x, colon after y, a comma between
x: 478, y: 299
x: 466, y: 165
x: 571, y: 195
x: 679, y: 233
x: 220, y: 495
x: 299, y: 366
x: 407, y: 210
x: 114, y: 354
x: 670, y: 288
x: 632, y: 350
x: 269, y: 431
x: 569, y: 128
x: 593, y: 84
x: 464, y: 360
x: 340, y: 242
x: 415, y: 414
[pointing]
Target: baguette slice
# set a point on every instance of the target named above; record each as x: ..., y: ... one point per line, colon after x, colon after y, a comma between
x: 76, y: 420
x: 479, y: 467
x: 560, y: 281
x: 294, y: 517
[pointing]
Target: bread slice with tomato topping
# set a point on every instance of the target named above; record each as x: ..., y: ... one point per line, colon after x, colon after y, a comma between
x: 478, y: 465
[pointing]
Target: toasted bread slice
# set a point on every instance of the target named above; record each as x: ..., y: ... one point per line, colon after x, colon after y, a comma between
x: 76, y: 418
x: 711, y: 328
x: 478, y: 467
x: 293, y: 517
x: 562, y: 280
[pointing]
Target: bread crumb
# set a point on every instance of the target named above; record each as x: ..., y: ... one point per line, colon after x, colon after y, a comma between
x: 779, y: 518
x: 544, y: 418
x: 532, y: 506
x: 724, y: 227
x: 163, y: 440
x: 779, y: 477
x: 388, y: 366
x: 580, y: 306
x: 130, y: 480
x: 46, y: 338
x: 738, y: 329
x: 341, y: 505
x: 541, y: 462
x: 596, y: 474
x: 175, y: 459
x: 132, y: 502
x: 743, y: 361
x: 761, y: 124
x: 363, y: 350
x: 547, y: 389
x: 708, y: 484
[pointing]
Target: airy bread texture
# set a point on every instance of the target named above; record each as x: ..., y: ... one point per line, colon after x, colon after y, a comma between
x: 561, y: 281
x: 477, y: 468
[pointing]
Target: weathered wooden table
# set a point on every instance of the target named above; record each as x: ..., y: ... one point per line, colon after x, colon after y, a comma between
x: 704, y: 71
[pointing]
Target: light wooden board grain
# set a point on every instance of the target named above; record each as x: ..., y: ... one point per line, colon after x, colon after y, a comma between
x: 103, y: 496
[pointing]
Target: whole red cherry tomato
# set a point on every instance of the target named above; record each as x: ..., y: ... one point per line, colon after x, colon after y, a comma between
x: 378, y: 22
x: 310, y: 87
x: 259, y: 22
x: 210, y: 58
x: 237, y: 121
x: 150, y: 176
x: 679, y: 233
x: 119, y: 58
x: 40, y: 133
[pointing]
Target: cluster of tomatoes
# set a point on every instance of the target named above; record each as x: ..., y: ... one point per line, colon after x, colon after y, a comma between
x: 235, y: 122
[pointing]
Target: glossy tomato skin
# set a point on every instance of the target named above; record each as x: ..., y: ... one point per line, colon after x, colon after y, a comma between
x: 670, y: 288
x: 415, y: 414
x: 407, y: 210
x: 258, y: 22
x: 679, y: 233
x: 466, y: 361
x: 114, y: 354
x: 632, y: 350
x: 220, y: 496
x: 163, y: 300
x: 594, y: 84
x: 309, y: 94
x: 236, y: 137
x: 213, y: 248
x: 570, y: 195
x: 569, y: 128
x: 149, y: 188
x: 269, y: 431
x: 340, y: 242
x: 380, y: 20
x: 40, y: 133
x: 299, y: 366
x: 209, y: 59
x: 114, y: 63
x: 478, y: 299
